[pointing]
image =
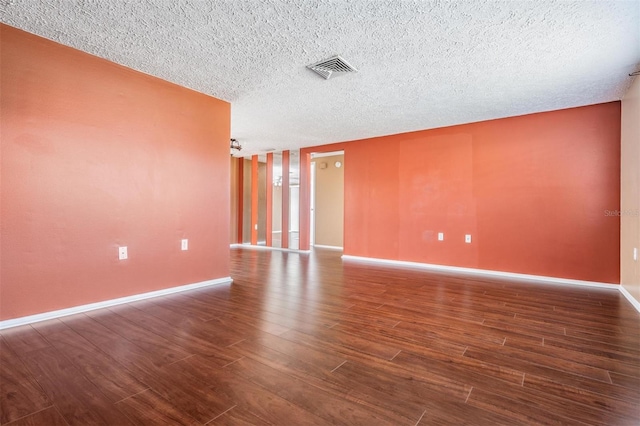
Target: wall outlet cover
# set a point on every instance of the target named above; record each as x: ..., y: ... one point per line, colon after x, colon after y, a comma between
x: 122, y: 253
x: 184, y: 244
x: 440, y: 236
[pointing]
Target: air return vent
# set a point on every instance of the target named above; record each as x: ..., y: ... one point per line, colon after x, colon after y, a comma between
x: 331, y: 67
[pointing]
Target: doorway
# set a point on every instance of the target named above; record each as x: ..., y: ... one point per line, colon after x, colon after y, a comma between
x: 327, y: 200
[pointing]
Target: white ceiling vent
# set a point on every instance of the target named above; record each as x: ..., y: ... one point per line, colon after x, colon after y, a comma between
x: 328, y: 67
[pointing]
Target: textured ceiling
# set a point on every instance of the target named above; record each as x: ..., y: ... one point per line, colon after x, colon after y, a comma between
x: 421, y: 64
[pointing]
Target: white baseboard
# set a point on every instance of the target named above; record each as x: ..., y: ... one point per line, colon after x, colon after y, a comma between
x: 630, y: 298
x: 227, y: 280
x: 106, y: 303
x: 328, y: 247
x: 488, y: 273
x: 252, y: 247
x: 482, y: 272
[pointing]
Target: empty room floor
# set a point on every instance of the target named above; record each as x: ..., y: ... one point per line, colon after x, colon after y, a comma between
x: 309, y: 339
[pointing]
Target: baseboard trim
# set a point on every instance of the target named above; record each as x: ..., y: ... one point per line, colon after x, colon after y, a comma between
x: 107, y: 303
x: 483, y: 272
x: 630, y: 298
x: 252, y: 247
x: 322, y: 246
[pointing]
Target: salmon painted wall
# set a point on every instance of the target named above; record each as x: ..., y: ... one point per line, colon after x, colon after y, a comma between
x: 233, y: 200
x: 532, y: 191
x: 96, y: 156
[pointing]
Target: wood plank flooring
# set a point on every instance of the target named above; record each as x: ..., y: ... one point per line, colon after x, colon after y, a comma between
x: 309, y: 340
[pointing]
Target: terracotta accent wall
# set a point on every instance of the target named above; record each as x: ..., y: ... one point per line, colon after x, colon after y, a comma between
x: 268, y: 201
x: 247, y: 201
x: 532, y: 191
x: 234, y: 198
x: 96, y: 156
x: 630, y: 191
x: 262, y: 203
x: 329, y: 206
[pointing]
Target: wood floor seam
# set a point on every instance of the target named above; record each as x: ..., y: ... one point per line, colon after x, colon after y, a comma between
x: 221, y: 414
x: 340, y: 365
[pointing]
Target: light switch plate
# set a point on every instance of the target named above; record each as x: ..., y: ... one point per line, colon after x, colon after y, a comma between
x: 467, y: 238
x: 122, y: 253
x: 184, y: 245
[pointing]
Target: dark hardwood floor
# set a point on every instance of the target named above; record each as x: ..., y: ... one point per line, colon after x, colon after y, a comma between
x: 305, y: 339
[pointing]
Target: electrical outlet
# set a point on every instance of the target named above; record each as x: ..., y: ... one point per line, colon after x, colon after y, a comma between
x: 184, y: 245
x: 467, y: 238
x: 122, y: 253
x: 440, y: 236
